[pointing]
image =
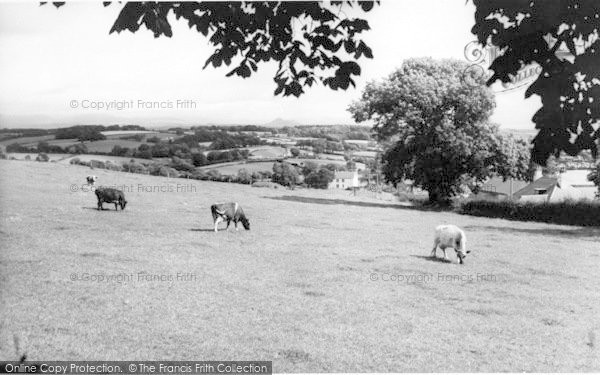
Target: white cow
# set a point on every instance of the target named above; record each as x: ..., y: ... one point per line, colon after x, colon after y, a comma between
x: 450, y: 236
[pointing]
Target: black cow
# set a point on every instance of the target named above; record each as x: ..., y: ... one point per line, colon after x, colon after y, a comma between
x: 110, y: 195
x: 228, y: 212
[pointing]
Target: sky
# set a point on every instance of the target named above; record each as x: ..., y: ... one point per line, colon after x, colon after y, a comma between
x: 55, y: 64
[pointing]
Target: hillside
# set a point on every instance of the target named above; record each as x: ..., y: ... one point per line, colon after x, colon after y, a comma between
x: 307, y: 287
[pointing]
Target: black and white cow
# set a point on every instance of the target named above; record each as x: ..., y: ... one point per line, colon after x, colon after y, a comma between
x: 228, y: 212
x: 91, y: 180
x: 110, y: 195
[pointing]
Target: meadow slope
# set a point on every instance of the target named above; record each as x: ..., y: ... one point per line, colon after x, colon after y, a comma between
x: 307, y: 287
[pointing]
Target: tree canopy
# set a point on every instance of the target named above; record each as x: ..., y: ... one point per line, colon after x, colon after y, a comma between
x: 312, y: 41
x: 561, y: 36
x: 436, y: 127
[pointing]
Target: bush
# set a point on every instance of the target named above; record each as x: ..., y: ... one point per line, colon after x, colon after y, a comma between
x: 42, y: 157
x: 97, y: 164
x: 112, y: 166
x: 199, y: 174
x: 583, y: 213
x: 181, y: 164
x: 73, y: 161
x: 167, y: 172
x: 266, y: 184
x: 214, y: 175
x: 134, y: 167
x: 244, y: 177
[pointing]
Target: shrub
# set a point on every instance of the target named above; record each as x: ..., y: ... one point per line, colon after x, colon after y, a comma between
x: 42, y: 157
x: 167, y: 172
x: 583, y: 213
x: 244, y: 177
x: 214, y: 175
x: 73, y: 161
x: 112, y: 166
x: 199, y: 174
x: 97, y: 164
x: 134, y: 167
x: 181, y: 164
x: 266, y: 184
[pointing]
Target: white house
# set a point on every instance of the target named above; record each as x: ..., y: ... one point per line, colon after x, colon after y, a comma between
x: 344, y: 180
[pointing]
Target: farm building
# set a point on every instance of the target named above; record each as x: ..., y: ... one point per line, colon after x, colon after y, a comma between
x: 344, y: 180
x: 497, y: 189
x: 551, y: 189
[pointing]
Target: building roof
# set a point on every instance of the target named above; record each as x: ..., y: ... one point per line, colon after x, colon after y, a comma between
x: 498, y: 186
x: 345, y: 175
x: 547, y: 183
x: 552, y: 188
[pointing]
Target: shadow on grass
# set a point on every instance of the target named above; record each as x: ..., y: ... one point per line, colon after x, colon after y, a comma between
x: 432, y: 259
x: 104, y: 209
x: 329, y: 201
x: 568, y: 233
x: 203, y: 230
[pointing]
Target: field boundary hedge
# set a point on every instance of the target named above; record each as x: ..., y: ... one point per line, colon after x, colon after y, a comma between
x: 580, y: 213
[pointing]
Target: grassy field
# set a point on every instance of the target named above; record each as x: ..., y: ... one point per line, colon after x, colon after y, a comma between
x: 26, y: 140
x: 96, y: 146
x: 234, y: 167
x: 307, y: 287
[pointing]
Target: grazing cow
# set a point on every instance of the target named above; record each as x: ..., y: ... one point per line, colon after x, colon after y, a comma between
x: 110, y: 195
x: 450, y: 236
x: 91, y: 180
x: 228, y: 212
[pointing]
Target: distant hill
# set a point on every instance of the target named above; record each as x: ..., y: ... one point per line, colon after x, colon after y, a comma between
x: 521, y: 133
x: 279, y: 123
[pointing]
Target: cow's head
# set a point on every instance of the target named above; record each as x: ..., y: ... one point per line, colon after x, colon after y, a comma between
x: 245, y: 222
x: 462, y: 255
x: 122, y: 203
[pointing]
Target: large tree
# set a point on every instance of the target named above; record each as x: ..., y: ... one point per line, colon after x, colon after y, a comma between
x: 436, y: 127
x: 561, y: 36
